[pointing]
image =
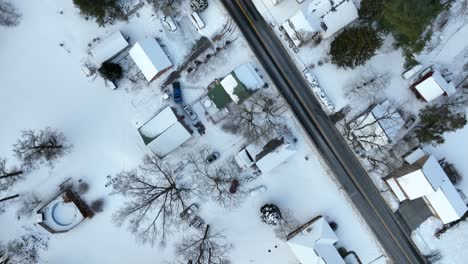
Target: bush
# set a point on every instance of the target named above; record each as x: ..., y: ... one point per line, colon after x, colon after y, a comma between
x: 198, y: 5
x: 270, y: 214
x: 354, y: 46
x: 82, y: 188
x: 452, y: 173
x: 97, y: 205
x: 333, y: 225
x: 370, y: 10
x: 343, y: 252
x: 111, y: 71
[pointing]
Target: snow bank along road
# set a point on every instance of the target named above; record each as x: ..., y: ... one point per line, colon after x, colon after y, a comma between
x: 348, y: 170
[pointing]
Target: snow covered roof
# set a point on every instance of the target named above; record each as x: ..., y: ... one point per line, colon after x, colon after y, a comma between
x: 383, y: 121
x: 149, y: 57
x: 447, y: 203
x: 430, y: 182
x: 302, y: 27
x: 168, y: 141
x: 414, y: 156
x: 164, y: 132
x: 433, y: 87
x: 339, y: 17
x: 244, y: 159
x: 235, y: 89
x: 248, y: 76
x: 109, y: 47
x: 275, y: 157
x: 315, y: 243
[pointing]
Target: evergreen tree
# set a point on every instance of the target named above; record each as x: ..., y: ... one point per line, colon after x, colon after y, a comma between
x: 354, y: 46
x: 111, y: 71
x: 101, y: 10
x: 371, y: 10
x: 198, y: 5
x: 435, y: 121
x: 408, y: 19
x: 270, y: 214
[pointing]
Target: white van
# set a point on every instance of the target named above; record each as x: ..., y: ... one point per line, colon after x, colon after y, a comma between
x: 197, y: 21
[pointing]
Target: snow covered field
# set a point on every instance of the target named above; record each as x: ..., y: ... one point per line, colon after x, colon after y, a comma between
x: 43, y: 85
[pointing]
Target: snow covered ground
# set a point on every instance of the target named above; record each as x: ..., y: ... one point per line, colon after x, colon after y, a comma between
x: 448, y: 48
x: 43, y: 85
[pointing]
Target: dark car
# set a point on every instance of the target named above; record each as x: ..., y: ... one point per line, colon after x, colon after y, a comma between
x: 177, y: 92
x: 234, y: 185
x: 212, y: 157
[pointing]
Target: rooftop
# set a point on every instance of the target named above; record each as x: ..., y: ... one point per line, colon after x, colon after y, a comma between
x: 149, y: 57
x: 109, y: 47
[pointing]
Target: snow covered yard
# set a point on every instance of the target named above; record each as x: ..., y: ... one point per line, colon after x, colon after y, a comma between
x: 43, y: 85
x: 447, y: 49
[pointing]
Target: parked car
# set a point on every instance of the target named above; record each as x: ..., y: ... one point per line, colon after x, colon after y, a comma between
x: 189, y: 112
x: 212, y: 157
x: 177, y: 92
x: 410, y: 121
x: 169, y: 23
x: 197, y: 21
x: 234, y: 185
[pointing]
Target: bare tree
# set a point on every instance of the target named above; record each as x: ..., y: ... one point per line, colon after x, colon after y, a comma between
x: 9, y: 15
x: 43, y: 146
x: 368, y: 84
x: 166, y: 7
x: 215, y: 180
x: 156, y: 196
x: 28, y: 203
x: 8, y: 176
x: 204, y: 248
x: 259, y: 117
x: 25, y: 249
x: 372, y: 128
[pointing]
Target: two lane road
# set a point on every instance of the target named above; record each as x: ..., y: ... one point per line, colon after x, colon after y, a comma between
x: 349, y: 172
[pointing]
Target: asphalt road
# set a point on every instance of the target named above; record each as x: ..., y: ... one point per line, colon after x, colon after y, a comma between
x: 349, y: 172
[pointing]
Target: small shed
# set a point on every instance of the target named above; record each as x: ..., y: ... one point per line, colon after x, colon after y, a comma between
x: 109, y: 47
x: 302, y: 27
x: 150, y: 58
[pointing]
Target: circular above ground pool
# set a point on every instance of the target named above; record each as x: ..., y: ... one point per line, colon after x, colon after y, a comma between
x: 64, y: 214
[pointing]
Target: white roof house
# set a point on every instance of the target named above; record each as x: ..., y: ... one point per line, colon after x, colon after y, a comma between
x: 266, y: 158
x: 433, y: 86
x: 379, y: 126
x: 426, y: 179
x: 302, y: 27
x: 109, y: 47
x: 247, y: 75
x: 164, y: 132
x: 150, y: 58
x: 320, y: 17
x: 334, y: 20
x: 314, y: 243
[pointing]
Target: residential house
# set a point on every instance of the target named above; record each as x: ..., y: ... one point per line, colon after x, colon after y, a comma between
x: 150, y: 58
x: 322, y: 18
x: 165, y: 132
x: 266, y: 158
x: 422, y: 177
x: 378, y: 126
x: 314, y: 242
x: 63, y: 213
x: 110, y: 47
x: 431, y: 86
x: 236, y: 86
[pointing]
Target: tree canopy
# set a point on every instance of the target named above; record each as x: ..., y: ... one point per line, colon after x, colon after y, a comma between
x: 354, y: 46
x: 101, y: 10
x: 408, y: 19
